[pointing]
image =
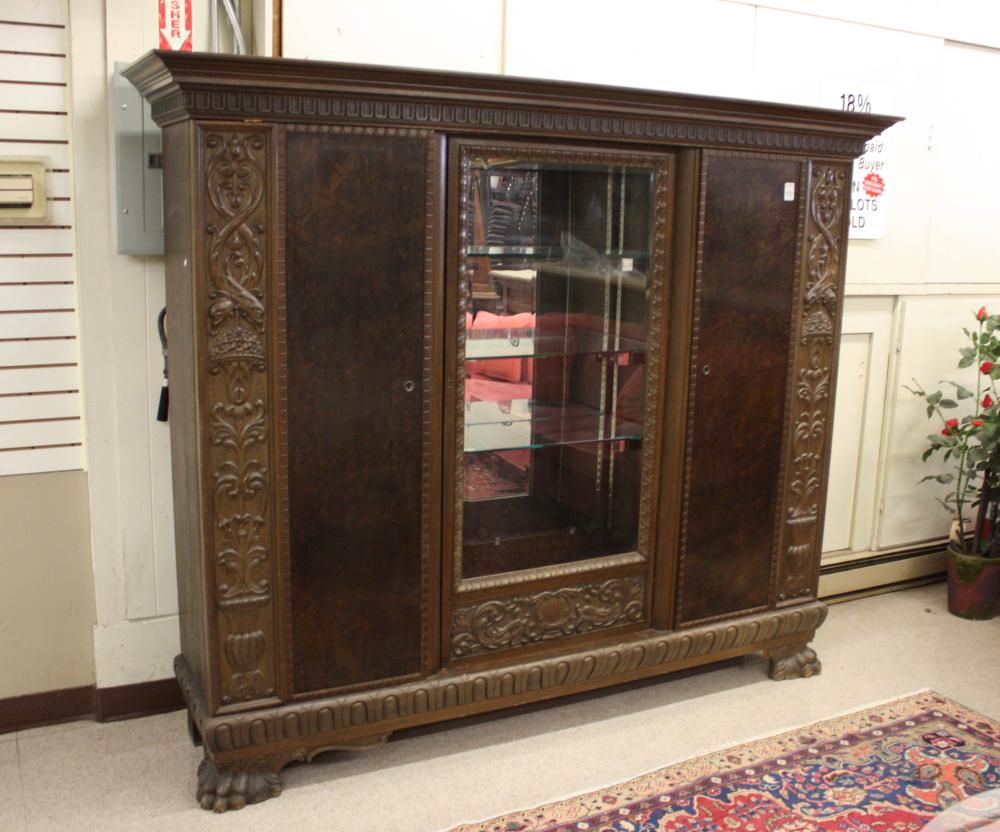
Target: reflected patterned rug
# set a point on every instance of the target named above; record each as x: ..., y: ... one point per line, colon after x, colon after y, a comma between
x: 890, y: 768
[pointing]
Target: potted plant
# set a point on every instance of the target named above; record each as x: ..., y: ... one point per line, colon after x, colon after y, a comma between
x: 971, y: 444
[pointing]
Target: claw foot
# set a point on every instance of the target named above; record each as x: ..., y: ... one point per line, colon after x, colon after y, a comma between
x: 225, y: 788
x: 794, y: 661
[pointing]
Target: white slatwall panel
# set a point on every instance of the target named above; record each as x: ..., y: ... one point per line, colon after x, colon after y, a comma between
x: 40, y: 409
x: 37, y: 325
x: 42, y: 97
x: 44, y: 39
x: 42, y: 406
x: 40, y: 239
x: 15, y: 381
x: 64, y: 458
x: 37, y: 296
x: 31, y: 353
x: 18, y: 269
x: 55, y: 151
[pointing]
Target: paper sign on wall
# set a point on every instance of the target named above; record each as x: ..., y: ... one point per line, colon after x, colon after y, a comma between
x: 175, y: 25
x: 870, y: 184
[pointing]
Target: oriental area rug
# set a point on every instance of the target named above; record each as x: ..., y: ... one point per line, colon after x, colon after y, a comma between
x: 921, y: 762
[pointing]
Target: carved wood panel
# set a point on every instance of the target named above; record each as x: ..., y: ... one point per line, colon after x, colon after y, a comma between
x: 812, y: 381
x: 237, y: 437
x: 504, y: 623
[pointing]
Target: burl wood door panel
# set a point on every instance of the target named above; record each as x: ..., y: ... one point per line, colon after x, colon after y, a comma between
x: 739, y: 370
x: 359, y: 393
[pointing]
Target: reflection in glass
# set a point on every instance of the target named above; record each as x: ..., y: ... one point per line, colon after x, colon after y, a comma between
x: 555, y: 266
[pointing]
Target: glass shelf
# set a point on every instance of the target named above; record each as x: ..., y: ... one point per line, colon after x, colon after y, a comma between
x: 553, y: 252
x: 485, y: 344
x: 522, y: 424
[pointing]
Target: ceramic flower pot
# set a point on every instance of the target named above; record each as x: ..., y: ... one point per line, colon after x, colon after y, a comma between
x: 973, y: 585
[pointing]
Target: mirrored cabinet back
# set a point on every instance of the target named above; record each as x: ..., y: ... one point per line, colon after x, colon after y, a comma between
x: 485, y: 390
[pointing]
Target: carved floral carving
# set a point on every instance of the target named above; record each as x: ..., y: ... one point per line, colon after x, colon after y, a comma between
x: 527, y: 619
x: 244, y: 652
x: 814, y: 360
x: 235, y: 188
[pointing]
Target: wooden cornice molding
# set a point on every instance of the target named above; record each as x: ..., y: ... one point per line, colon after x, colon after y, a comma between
x: 206, y: 85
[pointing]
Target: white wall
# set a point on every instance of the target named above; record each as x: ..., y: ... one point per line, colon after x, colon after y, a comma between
x: 936, y: 263
x: 136, y: 637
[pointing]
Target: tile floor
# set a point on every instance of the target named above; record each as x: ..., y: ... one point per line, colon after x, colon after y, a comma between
x: 140, y: 774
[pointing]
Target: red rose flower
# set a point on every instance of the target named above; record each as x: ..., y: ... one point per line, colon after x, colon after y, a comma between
x: 952, y: 423
x: 987, y: 401
x: 981, y: 314
x: 985, y: 367
x: 976, y: 423
x: 945, y: 432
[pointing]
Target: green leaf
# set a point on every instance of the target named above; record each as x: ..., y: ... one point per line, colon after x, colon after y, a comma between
x: 927, y: 454
x: 948, y: 403
x: 966, y: 361
x: 935, y: 397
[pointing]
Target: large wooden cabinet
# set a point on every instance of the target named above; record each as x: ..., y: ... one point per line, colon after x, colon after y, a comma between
x: 484, y: 390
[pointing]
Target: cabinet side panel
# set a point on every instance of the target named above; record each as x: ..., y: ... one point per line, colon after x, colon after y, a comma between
x: 739, y: 367
x: 356, y: 248
x: 193, y: 602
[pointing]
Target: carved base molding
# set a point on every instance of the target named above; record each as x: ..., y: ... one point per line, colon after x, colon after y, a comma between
x: 266, y: 739
x: 794, y: 661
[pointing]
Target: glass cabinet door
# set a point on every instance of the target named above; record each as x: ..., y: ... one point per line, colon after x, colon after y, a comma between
x: 556, y: 284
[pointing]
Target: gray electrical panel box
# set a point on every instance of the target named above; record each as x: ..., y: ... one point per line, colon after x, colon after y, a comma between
x: 139, y: 171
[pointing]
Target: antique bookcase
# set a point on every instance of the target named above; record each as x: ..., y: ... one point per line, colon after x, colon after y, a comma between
x: 485, y: 390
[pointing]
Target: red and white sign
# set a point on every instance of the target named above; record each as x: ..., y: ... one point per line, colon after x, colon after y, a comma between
x: 175, y: 25
x: 873, y: 184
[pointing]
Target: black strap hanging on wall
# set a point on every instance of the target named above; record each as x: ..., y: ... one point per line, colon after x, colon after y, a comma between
x: 161, y: 411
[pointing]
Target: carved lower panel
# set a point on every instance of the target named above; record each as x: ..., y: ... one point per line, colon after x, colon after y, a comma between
x: 812, y: 375
x: 235, y: 176
x: 528, y: 619
x: 325, y: 722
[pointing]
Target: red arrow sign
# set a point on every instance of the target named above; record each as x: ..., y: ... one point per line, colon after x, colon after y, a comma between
x: 175, y: 25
